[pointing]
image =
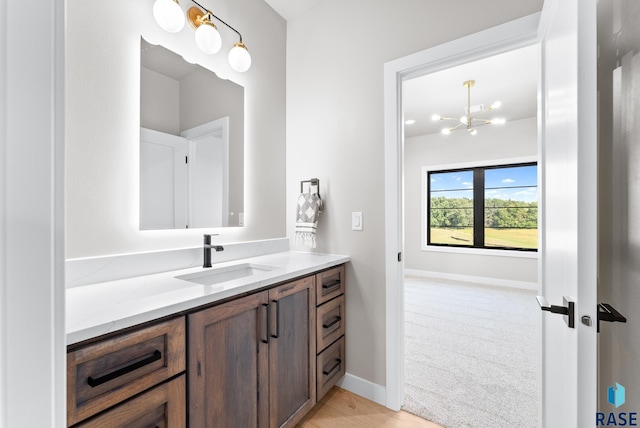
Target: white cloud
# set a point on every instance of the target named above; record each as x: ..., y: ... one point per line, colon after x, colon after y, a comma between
x: 466, y: 183
x: 508, y: 180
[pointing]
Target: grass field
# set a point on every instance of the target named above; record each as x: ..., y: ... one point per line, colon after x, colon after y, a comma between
x: 517, y: 238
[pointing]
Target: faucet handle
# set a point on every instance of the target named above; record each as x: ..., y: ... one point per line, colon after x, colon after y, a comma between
x: 207, y: 237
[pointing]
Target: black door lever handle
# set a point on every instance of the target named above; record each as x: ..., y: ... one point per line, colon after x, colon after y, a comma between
x: 545, y: 306
x: 567, y: 311
x: 606, y: 312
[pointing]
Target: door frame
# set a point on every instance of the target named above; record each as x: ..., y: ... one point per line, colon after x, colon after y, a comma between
x: 502, y: 38
x: 32, y: 223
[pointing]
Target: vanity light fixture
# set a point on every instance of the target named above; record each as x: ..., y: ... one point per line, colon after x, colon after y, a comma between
x: 207, y: 36
x: 168, y: 14
x: 470, y: 120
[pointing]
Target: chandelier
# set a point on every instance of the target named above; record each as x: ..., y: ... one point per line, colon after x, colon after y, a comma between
x: 471, y: 120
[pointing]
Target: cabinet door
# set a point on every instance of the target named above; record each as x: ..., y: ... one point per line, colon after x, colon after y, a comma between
x: 161, y: 407
x: 228, y: 364
x: 292, y: 347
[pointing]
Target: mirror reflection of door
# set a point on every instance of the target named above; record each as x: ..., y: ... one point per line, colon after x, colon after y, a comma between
x: 163, y: 181
x: 184, y: 179
x: 208, y: 174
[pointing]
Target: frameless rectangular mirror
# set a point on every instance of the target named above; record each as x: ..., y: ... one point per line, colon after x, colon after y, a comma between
x: 191, y: 144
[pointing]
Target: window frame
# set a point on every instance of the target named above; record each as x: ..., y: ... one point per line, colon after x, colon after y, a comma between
x: 478, y: 195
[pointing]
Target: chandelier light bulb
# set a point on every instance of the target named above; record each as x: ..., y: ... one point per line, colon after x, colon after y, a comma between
x: 239, y: 58
x: 208, y: 38
x: 169, y: 15
x: 463, y: 119
x: 436, y: 117
x: 472, y: 131
x: 495, y: 105
x: 498, y: 121
x: 446, y: 131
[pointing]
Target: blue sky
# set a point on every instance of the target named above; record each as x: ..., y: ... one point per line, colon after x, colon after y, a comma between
x: 502, y: 183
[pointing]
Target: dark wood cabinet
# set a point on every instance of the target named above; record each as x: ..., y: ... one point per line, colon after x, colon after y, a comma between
x: 112, y: 370
x: 252, y: 360
x: 162, y: 407
x: 292, y: 391
x: 257, y: 361
x: 330, y: 329
x: 228, y: 364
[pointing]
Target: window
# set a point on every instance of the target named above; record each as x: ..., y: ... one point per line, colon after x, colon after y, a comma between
x: 492, y: 207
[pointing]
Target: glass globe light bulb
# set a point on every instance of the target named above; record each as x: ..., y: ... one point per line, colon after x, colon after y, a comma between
x: 239, y: 58
x: 463, y: 119
x: 169, y: 15
x: 435, y: 117
x: 446, y: 131
x: 208, y: 38
x: 473, y: 131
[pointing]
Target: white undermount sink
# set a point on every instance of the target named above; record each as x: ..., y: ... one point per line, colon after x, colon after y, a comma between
x: 228, y: 273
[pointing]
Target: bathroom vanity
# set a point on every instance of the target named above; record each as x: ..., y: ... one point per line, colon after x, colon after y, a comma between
x: 250, y: 342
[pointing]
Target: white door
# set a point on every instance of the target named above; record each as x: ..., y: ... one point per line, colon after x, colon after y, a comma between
x: 209, y: 173
x: 569, y: 241
x: 163, y: 180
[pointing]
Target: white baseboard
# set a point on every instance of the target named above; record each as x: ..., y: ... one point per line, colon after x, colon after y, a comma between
x: 523, y: 285
x: 364, y: 388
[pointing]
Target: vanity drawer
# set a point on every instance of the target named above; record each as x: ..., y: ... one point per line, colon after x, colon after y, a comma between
x: 108, y: 372
x: 330, y: 322
x: 330, y: 367
x: 163, y: 406
x: 329, y: 284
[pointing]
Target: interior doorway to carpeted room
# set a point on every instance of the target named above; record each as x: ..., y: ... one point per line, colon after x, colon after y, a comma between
x: 471, y: 321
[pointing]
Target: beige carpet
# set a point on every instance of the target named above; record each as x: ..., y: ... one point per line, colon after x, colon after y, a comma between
x: 471, y: 354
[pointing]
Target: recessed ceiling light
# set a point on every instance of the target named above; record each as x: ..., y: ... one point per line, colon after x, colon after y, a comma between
x: 409, y: 122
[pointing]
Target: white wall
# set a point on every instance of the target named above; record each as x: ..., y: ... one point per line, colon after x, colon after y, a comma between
x: 103, y: 82
x: 514, y: 139
x: 159, y: 102
x: 335, y: 109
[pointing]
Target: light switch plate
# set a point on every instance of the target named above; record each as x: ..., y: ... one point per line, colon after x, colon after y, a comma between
x: 356, y: 220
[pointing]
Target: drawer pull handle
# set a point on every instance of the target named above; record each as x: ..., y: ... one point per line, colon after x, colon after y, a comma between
x: 331, y: 284
x: 335, y: 320
x: 124, y: 370
x: 326, y: 372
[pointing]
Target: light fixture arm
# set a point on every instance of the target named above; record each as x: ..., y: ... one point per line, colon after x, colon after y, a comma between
x: 469, y: 84
x: 211, y: 13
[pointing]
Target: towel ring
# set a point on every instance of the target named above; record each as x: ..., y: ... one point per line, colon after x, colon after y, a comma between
x: 312, y: 182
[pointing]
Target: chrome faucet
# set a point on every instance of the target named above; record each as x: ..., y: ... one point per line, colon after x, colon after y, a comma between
x: 207, y: 249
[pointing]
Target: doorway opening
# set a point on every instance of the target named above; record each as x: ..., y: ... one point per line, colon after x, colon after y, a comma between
x: 498, y: 40
x: 470, y: 241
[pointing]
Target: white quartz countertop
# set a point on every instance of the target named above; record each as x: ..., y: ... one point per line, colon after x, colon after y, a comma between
x: 96, y: 309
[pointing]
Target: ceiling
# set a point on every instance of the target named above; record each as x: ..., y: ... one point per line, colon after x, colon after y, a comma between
x: 510, y: 78
x: 291, y: 8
